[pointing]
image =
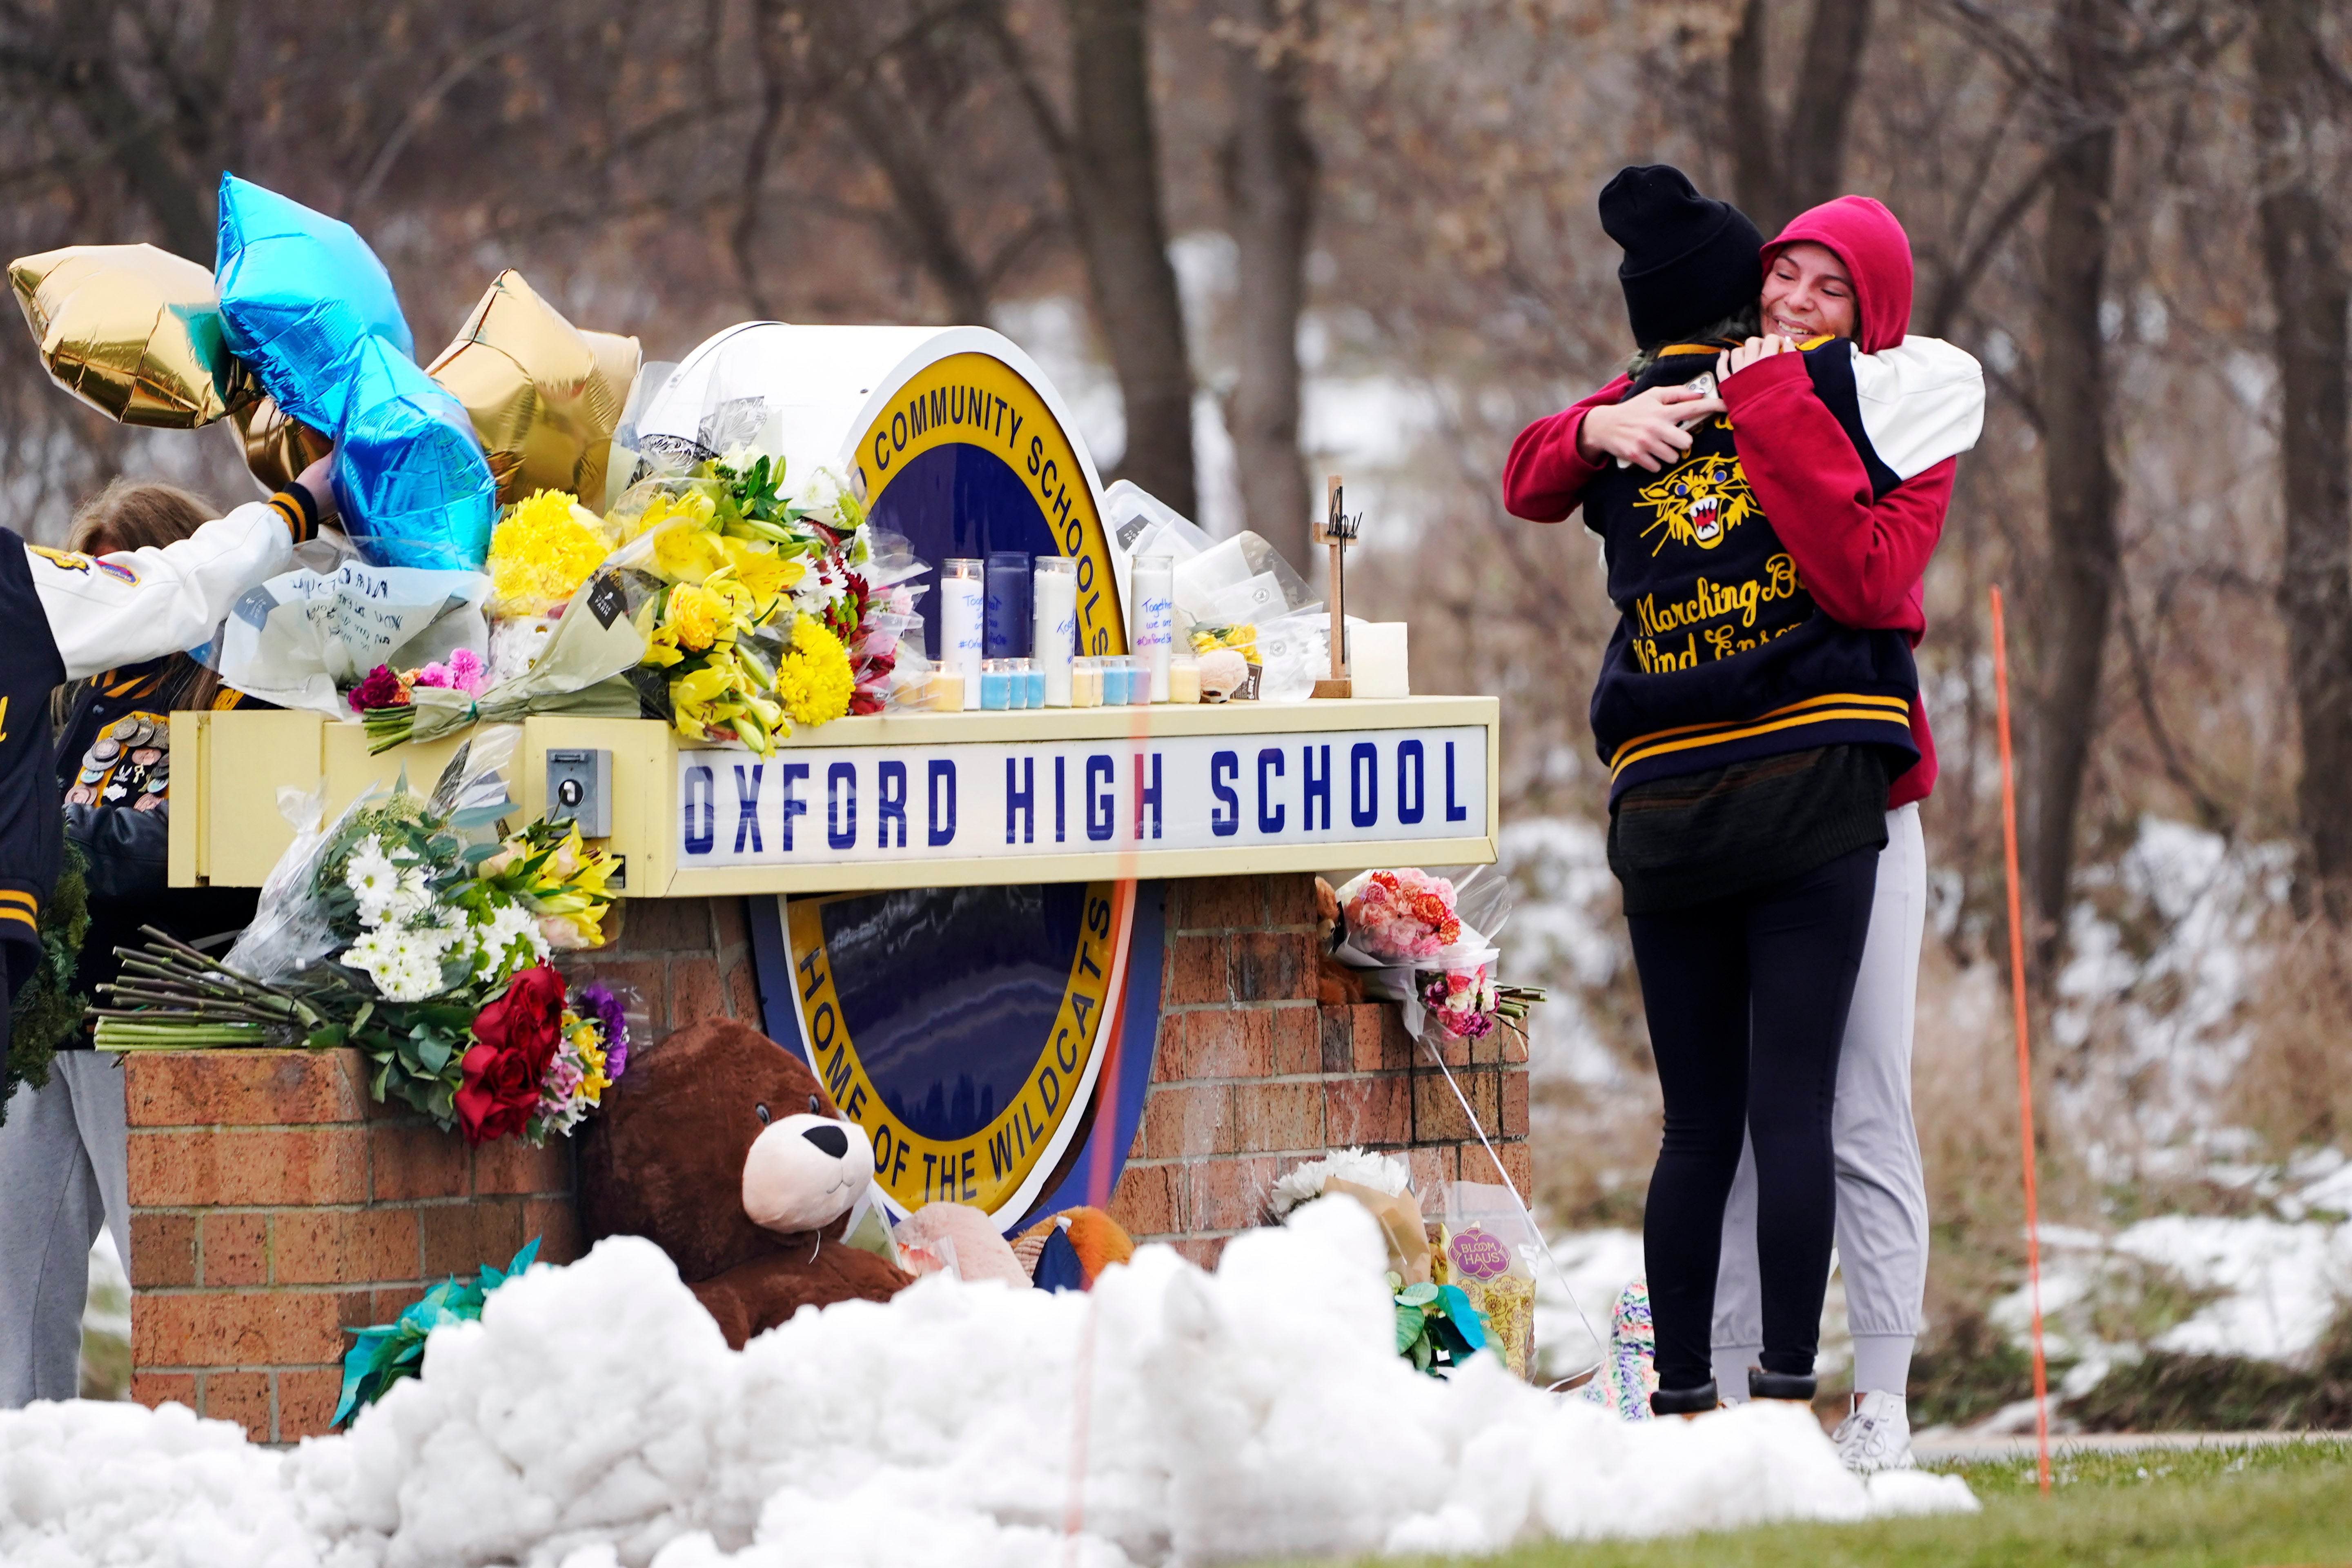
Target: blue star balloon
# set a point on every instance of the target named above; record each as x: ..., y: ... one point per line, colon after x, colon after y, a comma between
x: 410, y: 477
x: 299, y: 291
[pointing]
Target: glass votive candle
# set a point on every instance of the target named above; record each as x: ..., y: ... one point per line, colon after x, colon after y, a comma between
x: 1017, y: 673
x: 1183, y: 680
x: 1032, y: 680
x: 1138, y: 676
x: 1114, y: 672
x: 947, y: 691
x: 995, y: 684
x: 1086, y: 683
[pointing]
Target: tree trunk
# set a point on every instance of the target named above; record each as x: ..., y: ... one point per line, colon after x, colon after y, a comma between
x: 1780, y: 170
x: 1270, y: 169
x: 2078, y: 474
x: 1117, y: 212
x: 2303, y: 255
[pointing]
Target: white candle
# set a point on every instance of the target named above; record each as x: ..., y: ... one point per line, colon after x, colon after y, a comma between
x: 1154, y: 576
x: 1053, y: 599
x: 1377, y: 664
x: 963, y: 613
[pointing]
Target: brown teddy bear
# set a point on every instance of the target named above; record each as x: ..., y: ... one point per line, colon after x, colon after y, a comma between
x: 720, y: 1147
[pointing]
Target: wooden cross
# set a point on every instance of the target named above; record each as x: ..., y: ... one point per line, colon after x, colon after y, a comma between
x: 1338, y: 530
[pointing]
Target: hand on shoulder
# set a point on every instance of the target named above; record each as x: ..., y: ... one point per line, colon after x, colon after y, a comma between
x: 1646, y: 430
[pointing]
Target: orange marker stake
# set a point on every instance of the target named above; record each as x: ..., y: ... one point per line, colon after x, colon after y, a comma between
x: 2024, y: 1053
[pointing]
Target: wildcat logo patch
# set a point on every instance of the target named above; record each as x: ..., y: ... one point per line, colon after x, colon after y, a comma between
x: 1697, y: 503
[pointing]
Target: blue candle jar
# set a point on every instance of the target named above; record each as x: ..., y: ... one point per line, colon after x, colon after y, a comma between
x: 995, y: 684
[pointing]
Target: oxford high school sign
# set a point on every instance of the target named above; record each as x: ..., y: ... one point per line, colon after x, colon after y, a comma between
x: 1069, y: 808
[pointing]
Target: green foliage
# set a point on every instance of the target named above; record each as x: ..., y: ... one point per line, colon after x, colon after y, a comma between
x: 1437, y: 1329
x: 382, y: 1355
x: 48, y: 1010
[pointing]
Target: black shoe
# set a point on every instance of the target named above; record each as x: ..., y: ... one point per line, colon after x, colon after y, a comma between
x: 1763, y: 1385
x: 1684, y: 1401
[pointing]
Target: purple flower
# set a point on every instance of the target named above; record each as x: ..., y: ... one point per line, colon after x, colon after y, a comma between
x: 599, y: 997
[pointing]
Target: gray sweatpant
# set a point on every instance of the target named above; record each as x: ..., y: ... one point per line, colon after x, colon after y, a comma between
x: 1882, y: 1192
x: 62, y: 1175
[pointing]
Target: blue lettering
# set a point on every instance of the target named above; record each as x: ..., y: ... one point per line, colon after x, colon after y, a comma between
x: 1453, y: 813
x: 1146, y: 796
x: 1363, y: 784
x: 1101, y: 804
x: 890, y: 804
x: 1060, y: 799
x: 841, y: 806
x: 943, y: 829
x: 699, y: 782
x: 1269, y: 815
x: 747, y: 809
x: 1411, y: 806
x: 1225, y: 818
x: 1021, y: 800
x: 790, y: 774
x: 1317, y: 788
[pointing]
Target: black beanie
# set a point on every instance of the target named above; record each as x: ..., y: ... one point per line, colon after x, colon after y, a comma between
x: 1689, y: 261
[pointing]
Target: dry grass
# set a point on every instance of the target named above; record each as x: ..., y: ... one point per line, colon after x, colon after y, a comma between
x: 2294, y: 1088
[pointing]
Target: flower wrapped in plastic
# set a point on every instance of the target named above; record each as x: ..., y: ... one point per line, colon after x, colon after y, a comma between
x: 1401, y: 916
x: 382, y: 933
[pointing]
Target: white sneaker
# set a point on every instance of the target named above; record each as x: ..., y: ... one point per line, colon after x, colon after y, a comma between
x: 1875, y: 1434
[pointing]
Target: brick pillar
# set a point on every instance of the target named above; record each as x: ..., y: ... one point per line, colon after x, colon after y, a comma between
x: 1253, y: 1075
x: 273, y: 1207
x: 687, y: 959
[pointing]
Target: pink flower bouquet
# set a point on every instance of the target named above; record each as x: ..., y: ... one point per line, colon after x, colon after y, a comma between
x: 1403, y: 917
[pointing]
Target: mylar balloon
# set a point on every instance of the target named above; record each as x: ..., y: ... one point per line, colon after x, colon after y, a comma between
x: 540, y: 392
x: 298, y: 293
x: 410, y: 477
x: 133, y: 331
x: 277, y: 447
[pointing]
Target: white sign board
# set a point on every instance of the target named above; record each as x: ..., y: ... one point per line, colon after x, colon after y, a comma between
x: 1026, y: 800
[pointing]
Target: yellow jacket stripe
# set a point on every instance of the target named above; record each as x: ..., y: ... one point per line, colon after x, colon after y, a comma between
x: 1820, y: 716
x: 1731, y: 728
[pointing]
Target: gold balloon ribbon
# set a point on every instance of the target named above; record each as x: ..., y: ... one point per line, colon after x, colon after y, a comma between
x: 545, y: 396
x: 132, y: 331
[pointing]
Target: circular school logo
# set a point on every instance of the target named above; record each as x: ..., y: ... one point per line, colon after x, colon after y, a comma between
x: 965, y: 456
x: 965, y: 1028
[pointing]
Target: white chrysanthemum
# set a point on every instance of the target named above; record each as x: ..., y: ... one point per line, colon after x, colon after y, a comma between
x: 373, y: 879
x: 508, y: 941
x: 409, y: 897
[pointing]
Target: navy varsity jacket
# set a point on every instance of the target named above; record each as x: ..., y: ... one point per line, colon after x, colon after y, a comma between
x: 1720, y: 654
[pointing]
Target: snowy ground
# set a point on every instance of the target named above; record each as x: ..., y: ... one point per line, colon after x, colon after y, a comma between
x: 594, y: 1418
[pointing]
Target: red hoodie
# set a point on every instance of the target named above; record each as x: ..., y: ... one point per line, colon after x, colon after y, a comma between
x: 1862, y: 554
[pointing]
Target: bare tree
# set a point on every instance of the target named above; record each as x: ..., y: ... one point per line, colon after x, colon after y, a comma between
x: 2078, y: 470
x: 1269, y: 166
x: 2303, y: 252
x: 1108, y: 152
x: 1782, y: 167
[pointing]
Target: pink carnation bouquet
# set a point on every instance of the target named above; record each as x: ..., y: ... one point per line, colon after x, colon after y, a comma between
x: 1402, y: 916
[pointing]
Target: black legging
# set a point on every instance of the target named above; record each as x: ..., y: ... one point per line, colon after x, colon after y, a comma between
x: 1747, y: 999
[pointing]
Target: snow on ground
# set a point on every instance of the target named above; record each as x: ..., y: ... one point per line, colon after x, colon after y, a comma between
x: 594, y: 1418
x: 2276, y: 1285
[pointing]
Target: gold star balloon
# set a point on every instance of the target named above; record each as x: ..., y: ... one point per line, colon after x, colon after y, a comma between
x: 544, y: 396
x: 132, y: 331
x: 278, y: 447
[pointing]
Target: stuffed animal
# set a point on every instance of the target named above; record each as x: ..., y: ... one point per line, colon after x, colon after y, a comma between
x: 721, y: 1148
x: 1094, y: 1240
x: 974, y: 1250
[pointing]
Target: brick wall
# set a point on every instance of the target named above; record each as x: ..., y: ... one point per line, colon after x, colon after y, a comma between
x: 1254, y: 1074
x: 273, y: 1206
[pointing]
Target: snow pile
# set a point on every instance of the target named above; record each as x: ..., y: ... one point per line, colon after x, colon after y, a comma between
x: 593, y: 1418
